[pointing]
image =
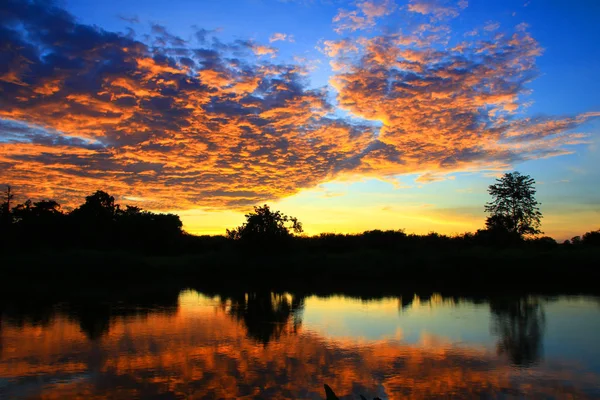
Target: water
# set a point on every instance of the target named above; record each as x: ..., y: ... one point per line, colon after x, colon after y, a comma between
x: 191, y: 345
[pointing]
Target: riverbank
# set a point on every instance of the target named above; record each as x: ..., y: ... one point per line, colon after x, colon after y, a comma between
x: 478, y: 268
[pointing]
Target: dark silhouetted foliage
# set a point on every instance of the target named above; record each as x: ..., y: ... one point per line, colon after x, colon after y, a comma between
x: 544, y: 242
x: 591, y: 238
x: 98, y: 223
x: 513, y: 207
x: 265, y: 225
x: 5, y: 215
x: 104, y: 236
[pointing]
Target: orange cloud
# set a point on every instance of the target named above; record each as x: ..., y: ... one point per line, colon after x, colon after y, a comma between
x: 281, y: 37
x: 217, y: 126
x: 446, y: 110
x: 261, y: 50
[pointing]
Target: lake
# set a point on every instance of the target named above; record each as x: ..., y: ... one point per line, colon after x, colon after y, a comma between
x: 192, y: 345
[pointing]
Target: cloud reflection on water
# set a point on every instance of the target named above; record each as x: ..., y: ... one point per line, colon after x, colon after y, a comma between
x: 205, y: 348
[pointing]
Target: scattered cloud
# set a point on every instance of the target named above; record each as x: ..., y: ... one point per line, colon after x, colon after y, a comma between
x: 262, y: 50
x: 213, y: 124
x: 429, y: 177
x: 334, y: 48
x: 437, y: 9
x: 133, y: 19
x: 281, y: 37
x: 163, y: 38
x: 450, y: 109
x: 184, y: 127
x: 491, y: 26
x: 364, y: 17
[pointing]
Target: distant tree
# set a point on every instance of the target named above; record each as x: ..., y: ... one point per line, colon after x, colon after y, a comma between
x: 93, y: 223
x: 514, y: 208
x: 100, y: 205
x: 264, y: 224
x: 5, y: 215
x: 591, y: 238
x: 40, y: 212
x: 136, y: 228
x: 8, y: 196
x: 22, y: 212
x: 544, y: 242
x: 47, y: 207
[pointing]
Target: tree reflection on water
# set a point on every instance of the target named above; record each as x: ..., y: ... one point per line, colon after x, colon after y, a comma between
x: 256, y: 345
x: 520, y: 323
x: 266, y: 315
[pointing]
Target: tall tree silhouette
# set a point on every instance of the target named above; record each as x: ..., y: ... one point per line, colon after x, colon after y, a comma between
x: 5, y: 216
x: 514, y: 207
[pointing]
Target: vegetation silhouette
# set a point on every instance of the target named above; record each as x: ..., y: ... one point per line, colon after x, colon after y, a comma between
x: 591, y: 238
x: 98, y: 223
x: 102, y: 240
x: 513, y: 208
x: 266, y: 226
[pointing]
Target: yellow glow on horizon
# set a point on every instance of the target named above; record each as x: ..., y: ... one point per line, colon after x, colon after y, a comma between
x: 322, y: 212
x: 335, y: 215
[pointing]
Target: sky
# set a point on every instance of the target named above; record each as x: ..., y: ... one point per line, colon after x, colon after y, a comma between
x: 349, y: 115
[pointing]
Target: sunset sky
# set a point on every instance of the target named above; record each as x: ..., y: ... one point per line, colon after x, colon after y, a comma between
x: 350, y: 115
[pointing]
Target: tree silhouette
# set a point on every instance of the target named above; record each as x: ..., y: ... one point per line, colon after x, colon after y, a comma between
x: 5, y: 215
x: 99, y: 205
x: 41, y: 210
x: 264, y: 224
x: 591, y: 238
x: 513, y: 208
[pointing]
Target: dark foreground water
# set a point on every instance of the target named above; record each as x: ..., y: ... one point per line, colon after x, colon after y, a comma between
x: 190, y: 345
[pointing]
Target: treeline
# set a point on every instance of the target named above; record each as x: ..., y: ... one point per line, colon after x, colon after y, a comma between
x: 99, y: 223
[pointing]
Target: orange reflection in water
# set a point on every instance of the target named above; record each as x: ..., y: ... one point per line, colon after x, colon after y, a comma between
x: 203, y: 351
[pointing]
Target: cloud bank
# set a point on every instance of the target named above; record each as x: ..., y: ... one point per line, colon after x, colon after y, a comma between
x: 212, y: 124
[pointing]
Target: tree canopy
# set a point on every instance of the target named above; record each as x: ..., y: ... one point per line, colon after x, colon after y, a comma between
x: 97, y: 223
x: 514, y: 208
x: 264, y: 224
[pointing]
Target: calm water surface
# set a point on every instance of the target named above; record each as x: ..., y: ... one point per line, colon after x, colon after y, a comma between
x: 192, y: 345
